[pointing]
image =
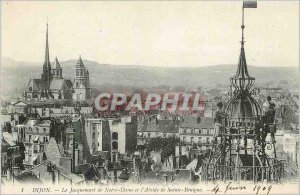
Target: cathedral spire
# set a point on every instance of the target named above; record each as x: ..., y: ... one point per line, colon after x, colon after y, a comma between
x: 47, y: 58
x: 46, y: 75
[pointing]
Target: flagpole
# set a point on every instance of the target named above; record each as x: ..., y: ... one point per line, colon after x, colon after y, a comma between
x: 243, y: 26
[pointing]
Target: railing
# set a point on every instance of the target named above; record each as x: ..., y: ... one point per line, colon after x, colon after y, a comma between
x: 255, y: 173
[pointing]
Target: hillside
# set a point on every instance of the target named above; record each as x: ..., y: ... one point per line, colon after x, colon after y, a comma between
x: 15, y: 75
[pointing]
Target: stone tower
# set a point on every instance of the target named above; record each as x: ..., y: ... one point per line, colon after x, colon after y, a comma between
x: 81, y: 85
x: 56, y: 70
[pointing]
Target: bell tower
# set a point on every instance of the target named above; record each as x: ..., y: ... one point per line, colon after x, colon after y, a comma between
x: 81, y: 83
x: 57, y: 70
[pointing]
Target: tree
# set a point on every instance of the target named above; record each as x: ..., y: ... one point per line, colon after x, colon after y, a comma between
x: 165, y: 145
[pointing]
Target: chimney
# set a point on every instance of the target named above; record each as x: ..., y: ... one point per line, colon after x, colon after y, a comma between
x: 198, y: 119
x: 134, y: 163
x: 171, y: 162
x: 57, y: 178
x: 106, y: 164
x: 191, y: 175
x: 166, y: 177
x: 172, y: 178
x: 8, y: 175
x: 73, y: 154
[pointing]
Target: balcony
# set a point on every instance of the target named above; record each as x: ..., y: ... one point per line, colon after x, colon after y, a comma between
x: 196, y: 143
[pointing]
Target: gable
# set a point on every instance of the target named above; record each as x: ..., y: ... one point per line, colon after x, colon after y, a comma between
x: 52, y: 151
x: 20, y: 104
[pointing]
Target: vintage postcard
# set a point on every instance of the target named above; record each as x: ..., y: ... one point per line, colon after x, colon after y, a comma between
x: 149, y: 97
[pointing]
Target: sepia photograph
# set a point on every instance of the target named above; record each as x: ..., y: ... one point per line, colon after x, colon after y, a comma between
x: 149, y: 97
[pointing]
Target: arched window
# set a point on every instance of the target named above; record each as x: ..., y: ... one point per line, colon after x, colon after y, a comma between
x: 35, y: 149
x: 77, y: 84
x: 199, y: 140
x: 115, y: 136
x: 207, y: 140
x: 115, y: 145
x: 156, y: 134
x: 30, y: 88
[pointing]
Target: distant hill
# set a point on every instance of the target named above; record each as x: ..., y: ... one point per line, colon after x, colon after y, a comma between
x: 15, y: 75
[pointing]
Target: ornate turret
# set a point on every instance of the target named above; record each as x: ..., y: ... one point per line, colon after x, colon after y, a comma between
x: 79, y: 63
x: 242, y: 106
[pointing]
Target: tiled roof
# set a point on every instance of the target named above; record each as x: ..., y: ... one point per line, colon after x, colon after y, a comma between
x: 57, y: 84
x: 9, y: 138
x: 192, y: 122
x: 114, y: 166
x: 43, y: 168
x: 124, y: 175
x: 4, y: 145
x: 38, y: 84
x: 28, y: 177
x: 284, y: 110
x: 168, y: 126
x: 89, y: 171
x: 52, y: 151
x: 68, y: 83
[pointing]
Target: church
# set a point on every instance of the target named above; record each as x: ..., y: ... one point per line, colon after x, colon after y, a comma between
x: 52, y: 85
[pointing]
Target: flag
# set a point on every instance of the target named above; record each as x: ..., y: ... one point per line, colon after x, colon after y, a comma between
x: 249, y: 4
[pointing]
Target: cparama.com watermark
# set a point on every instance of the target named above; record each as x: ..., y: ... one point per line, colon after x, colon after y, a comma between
x: 168, y: 101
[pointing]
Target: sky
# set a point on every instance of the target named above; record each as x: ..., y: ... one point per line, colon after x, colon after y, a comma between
x: 152, y: 33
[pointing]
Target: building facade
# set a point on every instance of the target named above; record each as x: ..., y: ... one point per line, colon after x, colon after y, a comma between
x: 197, y: 131
x: 37, y: 136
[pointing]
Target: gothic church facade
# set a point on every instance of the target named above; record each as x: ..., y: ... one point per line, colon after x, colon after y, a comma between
x: 52, y: 85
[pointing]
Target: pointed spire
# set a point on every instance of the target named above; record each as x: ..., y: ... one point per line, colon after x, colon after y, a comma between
x: 47, y: 64
x: 242, y: 80
x: 57, y: 64
x: 79, y: 62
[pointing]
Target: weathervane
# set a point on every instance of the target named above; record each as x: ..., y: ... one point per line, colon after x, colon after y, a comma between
x: 246, y: 4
